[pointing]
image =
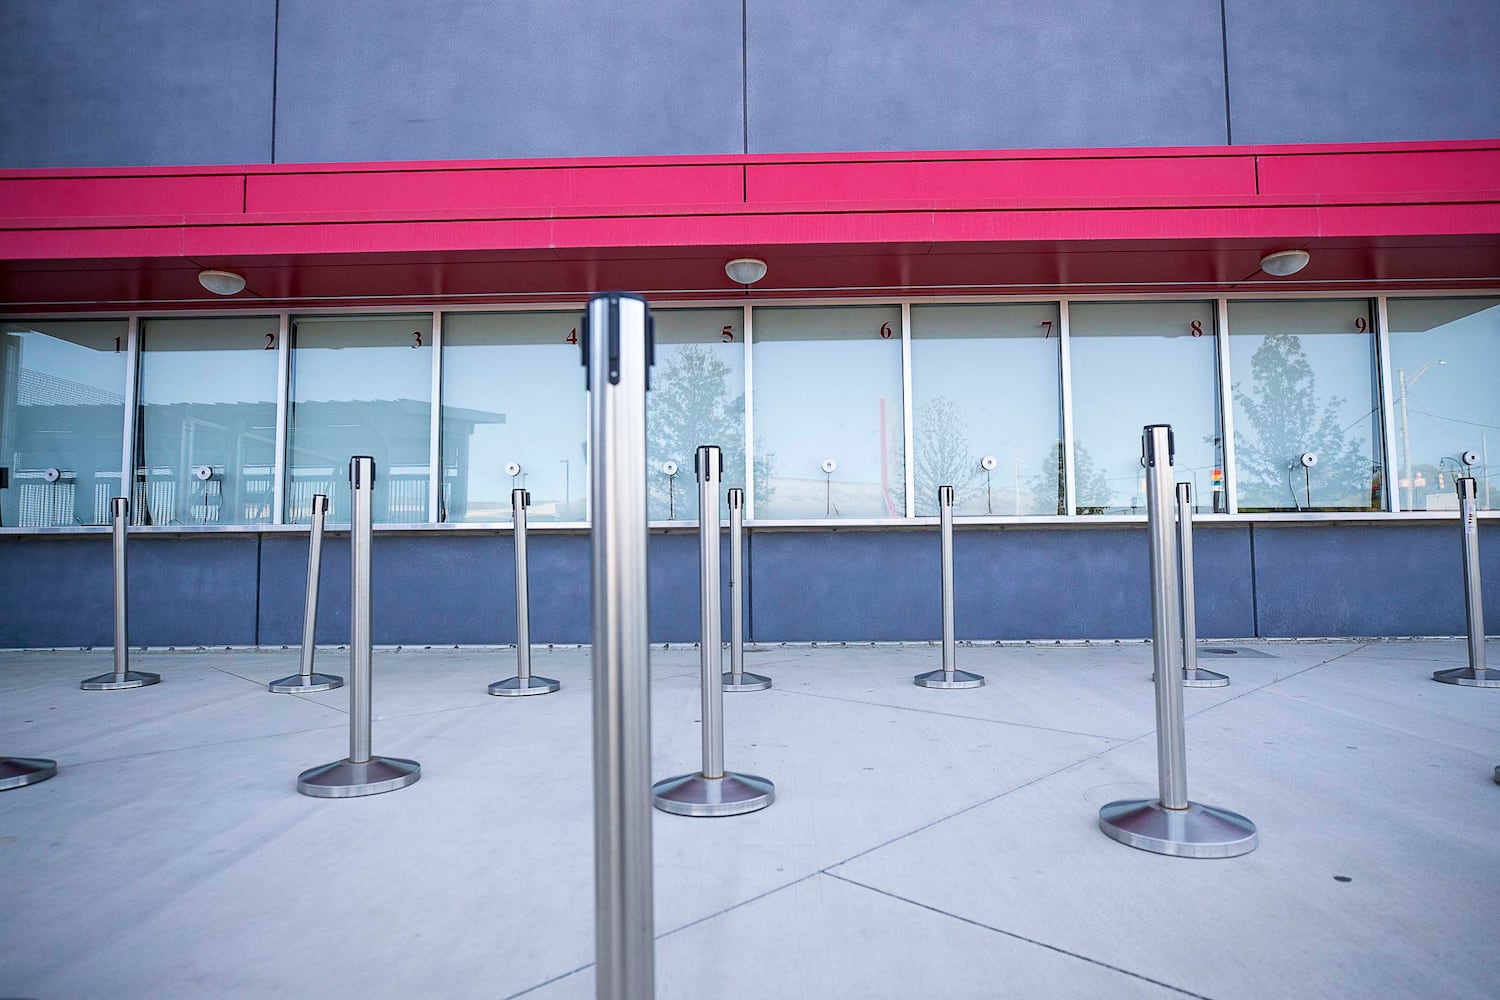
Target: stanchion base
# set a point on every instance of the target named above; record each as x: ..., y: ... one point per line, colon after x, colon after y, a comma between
x: 938, y: 679
x: 1201, y: 678
x: 747, y: 682
x: 110, y: 682
x: 310, y: 684
x: 695, y: 795
x: 18, y: 771
x: 1484, y: 677
x: 516, y: 687
x: 344, y: 779
x: 1198, y: 831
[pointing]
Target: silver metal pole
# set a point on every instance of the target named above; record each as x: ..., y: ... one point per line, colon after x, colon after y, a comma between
x: 122, y: 678
x: 1192, y: 674
x: 949, y: 676
x: 737, y: 679
x: 1476, y: 674
x: 617, y: 350
x: 712, y: 791
x: 305, y: 681
x: 1170, y: 824
x: 523, y: 683
x: 708, y: 464
x: 360, y: 773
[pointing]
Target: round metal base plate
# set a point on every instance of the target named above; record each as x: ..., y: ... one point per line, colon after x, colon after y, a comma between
x: 1201, y: 678
x: 1481, y: 678
x: 747, y: 682
x: 515, y: 687
x: 109, y: 682
x: 18, y: 771
x: 344, y: 779
x: 695, y: 795
x: 311, y: 684
x: 958, y: 679
x: 1195, y: 832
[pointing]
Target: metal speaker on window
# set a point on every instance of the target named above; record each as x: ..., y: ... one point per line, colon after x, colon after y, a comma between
x: 512, y: 468
x: 204, y: 473
x: 1469, y: 458
x: 669, y: 468
x: 988, y: 463
x: 51, y: 475
x: 1308, y: 459
x: 829, y: 465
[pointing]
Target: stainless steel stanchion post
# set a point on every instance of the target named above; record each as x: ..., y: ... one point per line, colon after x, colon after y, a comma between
x: 950, y: 676
x: 1170, y: 824
x: 712, y: 791
x: 122, y: 677
x: 18, y: 771
x: 360, y: 773
x: 1476, y: 674
x: 618, y: 352
x: 1193, y: 676
x: 737, y: 679
x: 305, y: 681
x: 523, y: 683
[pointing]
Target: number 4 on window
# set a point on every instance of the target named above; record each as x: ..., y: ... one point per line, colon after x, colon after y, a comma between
x: 572, y: 337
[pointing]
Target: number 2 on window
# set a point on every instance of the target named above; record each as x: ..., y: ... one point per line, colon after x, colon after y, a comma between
x: 270, y: 341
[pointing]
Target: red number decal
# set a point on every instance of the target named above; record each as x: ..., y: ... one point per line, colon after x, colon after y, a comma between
x: 885, y: 331
x: 1047, y: 325
x: 1197, y: 328
x: 1360, y: 324
x: 727, y: 334
x: 270, y: 341
x: 416, y: 339
x: 573, y: 335
x: 117, y: 345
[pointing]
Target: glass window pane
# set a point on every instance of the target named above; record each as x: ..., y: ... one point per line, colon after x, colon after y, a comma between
x: 361, y: 385
x: 828, y: 389
x: 207, y: 400
x: 1137, y: 364
x: 697, y: 397
x: 62, y: 421
x: 513, y: 393
x: 1445, y: 365
x: 1304, y: 383
x: 984, y: 382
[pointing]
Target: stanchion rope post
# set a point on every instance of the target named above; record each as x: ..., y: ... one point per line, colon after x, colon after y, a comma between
x: 524, y: 683
x: 1193, y: 676
x: 305, y: 681
x: 1476, y: 674
x: 616, y: 342
x: 1170, y: 824
x: 712, y: 791
x: 123, y: 677
x: 360, y: 773
x: 949, y: 677
x: 737, y: 679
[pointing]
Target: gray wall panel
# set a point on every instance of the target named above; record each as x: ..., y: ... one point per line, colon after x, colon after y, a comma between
x: 458, y: 79
x: 84, y: 83
x: 981, y: 74
x: 1363, y: 70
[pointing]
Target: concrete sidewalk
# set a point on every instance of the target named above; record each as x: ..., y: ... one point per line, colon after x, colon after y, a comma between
x: 923, y: 843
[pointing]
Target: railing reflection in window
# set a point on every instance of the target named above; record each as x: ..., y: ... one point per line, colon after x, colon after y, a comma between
x: 361, y: 385
x: 62, y: 415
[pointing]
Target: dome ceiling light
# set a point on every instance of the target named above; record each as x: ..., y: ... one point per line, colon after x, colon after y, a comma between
x: 1284, y: 262
x: 745, y: 270
x: 222, y: 282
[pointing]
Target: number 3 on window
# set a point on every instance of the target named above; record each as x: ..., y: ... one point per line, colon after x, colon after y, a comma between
x: 416, y: 339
